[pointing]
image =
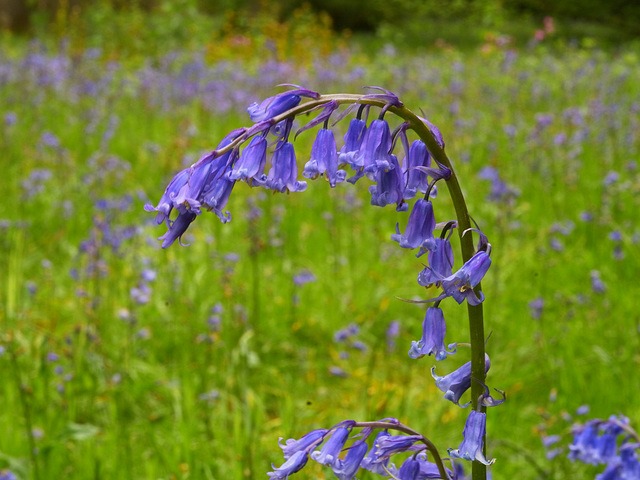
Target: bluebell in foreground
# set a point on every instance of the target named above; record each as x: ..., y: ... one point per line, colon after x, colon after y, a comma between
x: 367, y: 153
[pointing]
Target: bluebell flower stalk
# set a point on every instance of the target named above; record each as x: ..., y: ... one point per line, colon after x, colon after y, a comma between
x: 369, y: 153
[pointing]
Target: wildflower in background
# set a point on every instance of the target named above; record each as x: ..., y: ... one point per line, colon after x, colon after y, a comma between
x: 324, y: 159
x: 582, y: 410
x: 7, y: 475
x: 392, y: 332
x: 473, y: 442
x: 294, y: 464
x: 433, y: 332
x: 610, y: 178
x: 597, y: 285
x: 535, y: 308
x: 500, y: 191
x: 457, y: 382
x: 419, y: 226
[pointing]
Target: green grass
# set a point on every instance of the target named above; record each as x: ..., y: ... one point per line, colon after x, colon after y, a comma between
x: 132, y: 407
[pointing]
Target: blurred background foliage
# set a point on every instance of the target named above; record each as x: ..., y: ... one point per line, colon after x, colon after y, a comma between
x: 296, y: 27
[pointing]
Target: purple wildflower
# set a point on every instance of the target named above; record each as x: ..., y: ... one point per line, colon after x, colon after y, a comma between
x: 352, y: 142
x: 328, y: 455
x: 457, y: 382
x: 284, y: 171
x: 440, y: 262
x: 473, y: 442
x: 347, y: 468
x: 278, y: 104
x: 324, y: 159
x: 419, y: 227
x: 433, y: 332
x: 294, y: 464
x: 292, y: 446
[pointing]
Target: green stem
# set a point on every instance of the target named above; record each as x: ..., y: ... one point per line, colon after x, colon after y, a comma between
x: 475, y: 312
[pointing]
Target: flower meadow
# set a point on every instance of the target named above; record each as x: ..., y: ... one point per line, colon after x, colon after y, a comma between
x: 285, y: 316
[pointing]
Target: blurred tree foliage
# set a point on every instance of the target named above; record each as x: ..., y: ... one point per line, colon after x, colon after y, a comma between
x: 620, y: 16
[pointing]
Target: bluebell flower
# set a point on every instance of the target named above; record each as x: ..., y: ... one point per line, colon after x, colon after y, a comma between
x: 429, y: 470
x: 7, y: 475
x: 292, y: 446
x: 409, y: 470
x: 347, y: 468
x: 352, y: 142
x: 457, y: 382
x: 629, y: 460
x: 250, y: 165
x: 373, y: 461
x: 278, y: 104
x: 460, y: 285
x: 389, y: 187
x: 440, y: 260
x: 433, y: 332
x: 375, y: 152
x: 390, y: 445
x: 324, y: 159
x: 473, y: 442
x: 597, y: 285
x: 166, y: 205
x: 330, y: 451
x: 294, y: 464
x: 284, y: 171
x: 417, y: 180
x: 419, y: 227
x: 177, y: 228
x: 536, y: 306
x: 596, y: 441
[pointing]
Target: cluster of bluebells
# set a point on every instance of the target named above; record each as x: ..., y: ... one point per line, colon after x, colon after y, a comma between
x: 326, y: 445
x: 610, y: 442
x: 367, y: 153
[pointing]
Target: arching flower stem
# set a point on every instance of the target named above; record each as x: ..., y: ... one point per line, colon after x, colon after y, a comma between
x: 421, y: 128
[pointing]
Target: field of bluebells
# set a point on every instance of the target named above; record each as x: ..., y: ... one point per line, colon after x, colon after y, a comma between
x: 120, y: 359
